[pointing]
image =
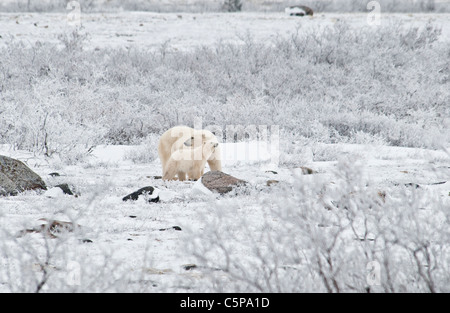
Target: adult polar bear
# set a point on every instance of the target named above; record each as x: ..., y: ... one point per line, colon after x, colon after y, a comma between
x: 184, y: 137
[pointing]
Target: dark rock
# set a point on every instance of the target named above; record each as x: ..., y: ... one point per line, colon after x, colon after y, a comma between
x: 188, y: 267
x: 66, y: 189
x: 16, y: 177
x: 146, y: 191
x: 414, y: 185
x: 86, y: 241
x: 178, y: 228
x: 273, y: 172
x: 220, y: 182
x: 155, y: 177
x: 307, y: 170
x: 54, y: 174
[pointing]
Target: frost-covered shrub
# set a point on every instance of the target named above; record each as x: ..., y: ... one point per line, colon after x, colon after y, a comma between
x: 146, y: 152
x: 331, y: 84
x: 232, y: 5
x: 322, y: 236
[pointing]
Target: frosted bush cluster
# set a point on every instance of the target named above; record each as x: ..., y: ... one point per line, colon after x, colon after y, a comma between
x: 344, y: 236
x: 325, y: 85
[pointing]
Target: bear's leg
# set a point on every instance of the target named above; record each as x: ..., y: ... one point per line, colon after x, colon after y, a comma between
x: 163, y: 165
x: 196, y: 174
x: 181, y: 176
x: 215, y: 165
x: 170, y: 170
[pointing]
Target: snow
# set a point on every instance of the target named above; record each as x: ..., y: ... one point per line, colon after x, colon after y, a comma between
x: 129, y: 232
x: 135, y: 242
x: 111, y: 154
x: 185, y: 31
x: 199, y: 189
x: 54, y: 192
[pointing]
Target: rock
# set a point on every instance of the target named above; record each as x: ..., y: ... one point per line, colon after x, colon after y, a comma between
x: 414, y: 185
x: 155, y: 177
x: 52, y: 228
x: 150, y: 193
x: 273, y: 172
x: 189, y: 267
x: 221, y: 182
x: 66, y: 189
x: 16, y: 177
x: 59, y: 191
x: 299, y: 10
x: 272, y: 182
x: 307, y: 170
x: 178, y: 228
x: 54, y: 174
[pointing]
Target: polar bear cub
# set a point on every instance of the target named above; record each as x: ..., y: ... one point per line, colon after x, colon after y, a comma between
x: 184, y: 137
x: 189, y: 161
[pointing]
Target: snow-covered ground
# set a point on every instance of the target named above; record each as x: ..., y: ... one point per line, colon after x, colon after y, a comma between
x: 187, y: 30
x: 126, y: 236
x: 133, y: 246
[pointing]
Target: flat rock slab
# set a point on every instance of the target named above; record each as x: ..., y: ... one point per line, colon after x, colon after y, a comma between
x: 16, y: 177
x: 220, y: 182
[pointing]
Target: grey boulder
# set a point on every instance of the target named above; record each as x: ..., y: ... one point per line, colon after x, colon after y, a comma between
x: 220, y: 182
x: 16, y: 177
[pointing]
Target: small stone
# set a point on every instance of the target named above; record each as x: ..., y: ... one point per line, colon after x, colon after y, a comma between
x: 178, y: 228
x: 307, y: 170
x: 65, y: 188
x: 188, y: 267
x: 272, y: 182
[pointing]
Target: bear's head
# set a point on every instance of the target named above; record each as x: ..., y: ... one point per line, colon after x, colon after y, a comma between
x: 195, y: 141
x: 209, y: 146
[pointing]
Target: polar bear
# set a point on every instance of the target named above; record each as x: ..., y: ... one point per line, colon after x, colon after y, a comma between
x: 189, y: 160
x: 181, y: 137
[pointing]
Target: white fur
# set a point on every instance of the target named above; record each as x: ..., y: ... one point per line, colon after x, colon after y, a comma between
x: 189, y: 161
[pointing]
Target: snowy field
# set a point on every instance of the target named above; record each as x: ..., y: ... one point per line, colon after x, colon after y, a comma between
x: 374, y: 216
x: 129, y: 252
x: 187, y: 30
